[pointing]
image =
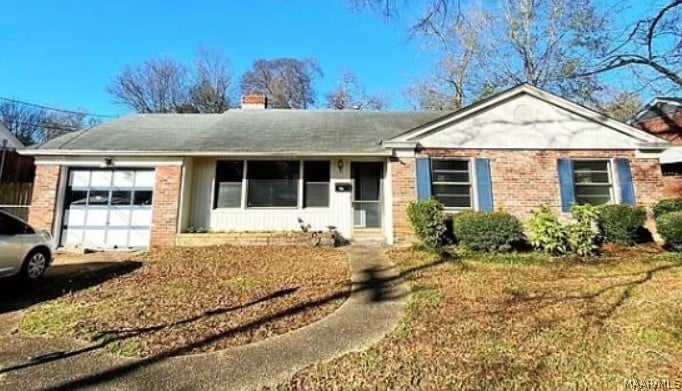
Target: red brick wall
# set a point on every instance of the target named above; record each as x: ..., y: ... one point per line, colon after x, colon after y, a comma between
x: 669, y: 128
x: 521, y: 180
x: 44, y: 197
x: 165, y: 206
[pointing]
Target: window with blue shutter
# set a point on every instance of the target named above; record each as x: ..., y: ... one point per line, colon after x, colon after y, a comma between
x: 627, y: 190
x: 423, y: 178
x: 565, y: 169
x: 451, y: 182
x: 484, y: 185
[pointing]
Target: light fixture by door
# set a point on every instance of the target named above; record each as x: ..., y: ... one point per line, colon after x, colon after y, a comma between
x: 339, y: 164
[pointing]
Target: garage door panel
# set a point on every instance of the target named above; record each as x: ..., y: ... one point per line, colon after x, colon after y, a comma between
x: 119, y: 217
x: 94, y: 237
x: 75, y: 217
x: 144, y: 179
x: 72, y: 237
x: 124, y: 179
x: 139, y: 238
x: 79, y: 178
x: 101, y: 178
x: 96, y: 217
x: 141, y: 217
x: 117, y: 238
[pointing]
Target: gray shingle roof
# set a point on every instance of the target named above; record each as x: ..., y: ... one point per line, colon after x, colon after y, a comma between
x: 244, y: 131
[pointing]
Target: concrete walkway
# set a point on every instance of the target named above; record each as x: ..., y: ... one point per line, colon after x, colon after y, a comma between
x: 373, y: 310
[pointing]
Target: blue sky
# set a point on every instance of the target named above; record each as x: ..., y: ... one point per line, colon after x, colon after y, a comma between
x: 64, y: 53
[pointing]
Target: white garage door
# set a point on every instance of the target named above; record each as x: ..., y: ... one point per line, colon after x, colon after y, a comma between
x: 108, y: 209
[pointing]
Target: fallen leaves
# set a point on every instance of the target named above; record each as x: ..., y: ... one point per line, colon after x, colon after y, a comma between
x: 185, y: 300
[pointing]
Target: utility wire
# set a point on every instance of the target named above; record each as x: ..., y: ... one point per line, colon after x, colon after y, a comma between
x: 56, y: 109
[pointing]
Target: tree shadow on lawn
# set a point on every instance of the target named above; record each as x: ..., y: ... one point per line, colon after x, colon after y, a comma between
x: 512, y: 306
x: 16, y: 294
x: 374, y: 285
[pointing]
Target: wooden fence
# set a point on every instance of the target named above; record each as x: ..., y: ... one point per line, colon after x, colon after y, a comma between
x: 15, y: 197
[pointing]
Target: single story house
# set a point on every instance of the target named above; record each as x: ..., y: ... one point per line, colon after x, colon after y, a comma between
x: 140, y: 180
x: 662, y: 117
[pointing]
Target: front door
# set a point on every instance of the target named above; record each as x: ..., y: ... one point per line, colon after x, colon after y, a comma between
x: 367, y: 193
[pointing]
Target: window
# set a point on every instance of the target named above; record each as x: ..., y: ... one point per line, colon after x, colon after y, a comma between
x: 272, y: 183
x: 316, y: 184
x: 592, y: 179
x: 451, y: 182
x: 228, y: 184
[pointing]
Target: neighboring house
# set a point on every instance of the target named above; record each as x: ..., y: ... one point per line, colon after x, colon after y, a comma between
x: 137, y: 181
x: 663, y: 117
x: 16, y: 175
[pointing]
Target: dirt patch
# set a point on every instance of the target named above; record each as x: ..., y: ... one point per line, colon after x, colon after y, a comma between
x: 198, y: 299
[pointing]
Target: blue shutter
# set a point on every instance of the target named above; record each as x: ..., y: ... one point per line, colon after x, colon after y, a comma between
x: 627, y: 191
x: 484, y: 185
x: 423, y: 178
x: 566, y: 188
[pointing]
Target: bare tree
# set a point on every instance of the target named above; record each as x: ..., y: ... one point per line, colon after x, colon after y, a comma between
x: 432, y: 12
x: 156, y: 86
x: 349, y: 94
x: 287, y: 82
x: 622, y: 106
x: 32, y: 124
x: 540, y: 42
x: 210, y: 90
x: 652, y: 49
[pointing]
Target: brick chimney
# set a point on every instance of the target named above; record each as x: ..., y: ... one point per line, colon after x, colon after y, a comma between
x: 254, y: 101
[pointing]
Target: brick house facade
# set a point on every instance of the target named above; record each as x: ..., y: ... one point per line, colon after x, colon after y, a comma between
x: 355, y: 171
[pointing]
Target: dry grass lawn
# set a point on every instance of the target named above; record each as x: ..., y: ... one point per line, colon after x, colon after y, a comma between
x: 521, y: 322
x: 185, y: 300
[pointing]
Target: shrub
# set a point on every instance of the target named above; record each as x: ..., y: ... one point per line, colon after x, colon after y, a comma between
x: 426, y: 219
x: 546, y: 233
x: 669, y: 226
x: 621, y: 224
x: 667, y: 206
x: 549, y: 235
x: 487, y: 231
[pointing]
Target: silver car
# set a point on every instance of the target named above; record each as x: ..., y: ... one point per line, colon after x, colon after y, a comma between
x: 24, y: 250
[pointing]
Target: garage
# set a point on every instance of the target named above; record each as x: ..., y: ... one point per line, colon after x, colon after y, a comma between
x: 108, y: 208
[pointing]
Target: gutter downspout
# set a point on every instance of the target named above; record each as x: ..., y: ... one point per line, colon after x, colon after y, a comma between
x: 2, y: 160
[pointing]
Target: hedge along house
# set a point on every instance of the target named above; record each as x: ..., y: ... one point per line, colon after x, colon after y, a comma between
x: 140, y: 180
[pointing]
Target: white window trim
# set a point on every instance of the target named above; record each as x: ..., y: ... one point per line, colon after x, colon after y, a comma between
x: 473, y: 195
x: 612, y: 183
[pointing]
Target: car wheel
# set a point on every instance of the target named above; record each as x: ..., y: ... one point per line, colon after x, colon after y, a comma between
x: 35, y: 265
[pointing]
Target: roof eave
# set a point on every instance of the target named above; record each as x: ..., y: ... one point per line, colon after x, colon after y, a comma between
x: 59, y: 152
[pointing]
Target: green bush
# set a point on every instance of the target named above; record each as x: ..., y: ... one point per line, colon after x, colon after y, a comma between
x: 426, y: 219
x: 667, y: 206
x: 549, y: 235
x: 669, y: 226
x: 621, y: 224
x: 487, y: 231
x: 546, y: 233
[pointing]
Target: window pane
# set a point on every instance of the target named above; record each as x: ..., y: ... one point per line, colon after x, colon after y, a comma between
x: 316, y: 184
x: 446, y: 164
x: 591, y: 177
x: 121, y: 197
x: 142, y: 197
x: 316, y: 194
x: 454, y: 201
x: 98, y: 197
x: 590, y: 165
x: 229, y: 195
x: 77, y: 197
x: 596, y: 195
x: 228, y: 184
x: 450, y: 176
x: 273, y: 170
x: 450, y: 190
x: 272, y: 192
x: 316, y: 171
